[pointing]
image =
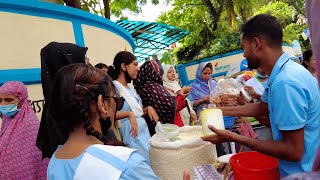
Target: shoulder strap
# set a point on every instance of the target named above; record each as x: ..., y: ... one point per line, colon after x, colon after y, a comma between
x: 103, y: 162
x: 110, y: 158
x: 133, y: 104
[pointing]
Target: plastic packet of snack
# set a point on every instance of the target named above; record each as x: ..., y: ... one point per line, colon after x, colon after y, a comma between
x: 227, y: 93
x: 206, y: 172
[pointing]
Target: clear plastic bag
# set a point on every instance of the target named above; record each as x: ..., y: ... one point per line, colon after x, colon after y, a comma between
x: 233, y: 70
x: 227, y: 93
x: 227, y: 86
x: 255, y: 84
x: 167, y: 132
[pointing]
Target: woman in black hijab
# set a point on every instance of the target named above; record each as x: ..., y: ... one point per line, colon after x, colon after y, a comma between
x: 54, y: 56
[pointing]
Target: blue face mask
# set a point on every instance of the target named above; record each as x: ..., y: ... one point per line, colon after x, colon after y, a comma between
x: 9, y: 110
x: 261, y: 76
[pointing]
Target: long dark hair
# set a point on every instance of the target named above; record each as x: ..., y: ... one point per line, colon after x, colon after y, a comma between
x: 306, y: 58
x: 122, y: 57
x: 75, y: 87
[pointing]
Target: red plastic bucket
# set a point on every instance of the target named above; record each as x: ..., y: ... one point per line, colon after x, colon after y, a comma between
x: 254, y: 166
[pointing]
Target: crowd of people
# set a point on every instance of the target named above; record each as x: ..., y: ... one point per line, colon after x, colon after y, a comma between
x: 97, y: 121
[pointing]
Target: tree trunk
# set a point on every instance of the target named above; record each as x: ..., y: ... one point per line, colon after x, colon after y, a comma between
x: 215, y: 13
x: 106, y: 9
x: 295, y: 6
x: 73, y: 3
x: 232, y: 14
x: 244, y: 15
x: 212, y: 10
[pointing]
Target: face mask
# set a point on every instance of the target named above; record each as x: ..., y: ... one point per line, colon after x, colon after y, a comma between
x: 9, y: 110
x: 105, y: 125
x: 261, y: 76
x: 127, y: 76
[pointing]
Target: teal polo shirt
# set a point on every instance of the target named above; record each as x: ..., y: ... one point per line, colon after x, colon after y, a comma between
x: 293, y: 99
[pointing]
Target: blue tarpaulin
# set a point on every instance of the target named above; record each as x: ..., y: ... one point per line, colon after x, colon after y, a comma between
x: 151, y: 37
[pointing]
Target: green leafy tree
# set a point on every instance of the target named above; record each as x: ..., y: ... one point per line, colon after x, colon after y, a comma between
x: 114, y: 7
x: 293, y: 32
x: 282, y: 11
x: 214, y: 25
x: 298, y: 5
x: 201, y: 18
x: 91, y: 6
x: 238, y: 11
x: 227, y: 40
x: 286, y: 12
x: 165, y: 58
x: 118, y: 6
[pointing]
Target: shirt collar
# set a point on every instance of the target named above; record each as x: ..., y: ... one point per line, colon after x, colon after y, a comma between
x: 277, y: 67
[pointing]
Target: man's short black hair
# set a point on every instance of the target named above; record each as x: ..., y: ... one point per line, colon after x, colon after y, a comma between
x: 266, y: 26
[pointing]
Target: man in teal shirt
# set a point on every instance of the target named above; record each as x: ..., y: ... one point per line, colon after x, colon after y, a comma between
x: 291, y: 100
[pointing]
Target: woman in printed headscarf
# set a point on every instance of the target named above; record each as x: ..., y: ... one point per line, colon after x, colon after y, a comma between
x: 19, y: 156
x: 170, y: 83
x: 54, y: 56
x: 149, y: 86
x: 202, y: 87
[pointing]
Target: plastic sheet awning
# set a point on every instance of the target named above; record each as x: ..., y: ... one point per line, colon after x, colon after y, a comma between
x: 151, y: 37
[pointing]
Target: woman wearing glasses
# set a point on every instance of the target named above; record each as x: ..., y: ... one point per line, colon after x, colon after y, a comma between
x: 84, y: 105
x: 125, y: 69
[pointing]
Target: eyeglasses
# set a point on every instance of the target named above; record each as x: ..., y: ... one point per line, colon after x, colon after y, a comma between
x: 119, y: 102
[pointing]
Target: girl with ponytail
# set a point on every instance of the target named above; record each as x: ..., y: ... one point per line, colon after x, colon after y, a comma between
x: 124, y: 70
x: 84, y: 104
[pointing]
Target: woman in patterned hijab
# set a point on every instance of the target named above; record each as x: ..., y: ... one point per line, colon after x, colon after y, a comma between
x: 149, y: 86
x: 19, y: 156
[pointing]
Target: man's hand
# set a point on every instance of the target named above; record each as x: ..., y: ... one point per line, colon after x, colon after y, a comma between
x: 290, y: 148
x: 221, y: 136
x: 241, y: 100
x: 252, y: 92
x: 264, y: 120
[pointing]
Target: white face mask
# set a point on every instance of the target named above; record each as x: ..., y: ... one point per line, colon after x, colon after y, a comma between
x: 261, y: 76
x: 9, y: 110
